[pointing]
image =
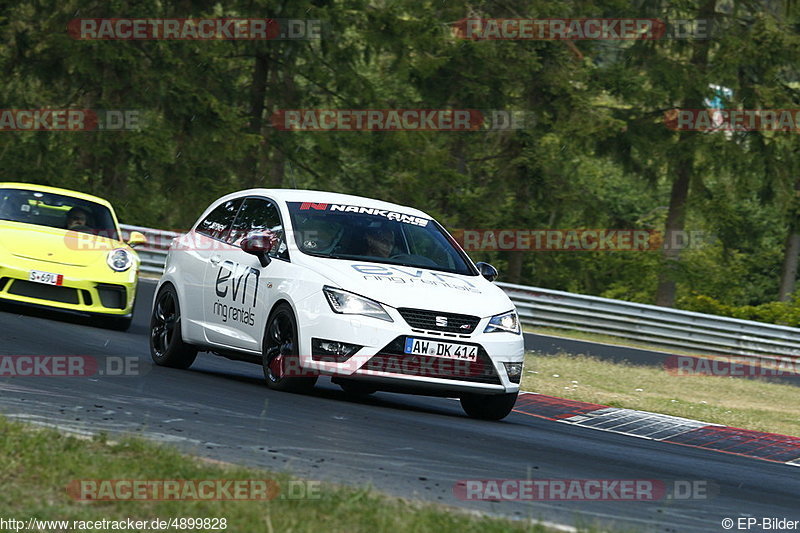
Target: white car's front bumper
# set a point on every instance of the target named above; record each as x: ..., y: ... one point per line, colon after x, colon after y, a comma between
x: 381, y: 359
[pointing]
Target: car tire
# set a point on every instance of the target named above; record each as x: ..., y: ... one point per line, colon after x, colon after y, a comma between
x: 355, y: 388
x: 166, y: 342
x: 280, y: 358
x: 488, y: 407
x: 116, y: 323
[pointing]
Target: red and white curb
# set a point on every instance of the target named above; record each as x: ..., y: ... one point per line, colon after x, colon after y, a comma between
x: 665, y: 428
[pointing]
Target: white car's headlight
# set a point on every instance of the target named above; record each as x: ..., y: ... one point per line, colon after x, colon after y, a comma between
x: 503, y: 322
x: 119, y: 260
x: 348, y: 303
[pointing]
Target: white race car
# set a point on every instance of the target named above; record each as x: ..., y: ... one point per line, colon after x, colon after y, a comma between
x: 306, y: 283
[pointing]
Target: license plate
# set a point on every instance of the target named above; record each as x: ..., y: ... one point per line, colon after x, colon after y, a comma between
x: 48, y: 278
x: 441, y: 349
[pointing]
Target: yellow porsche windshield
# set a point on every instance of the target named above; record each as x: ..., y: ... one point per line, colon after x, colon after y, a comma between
x: 57, y: 211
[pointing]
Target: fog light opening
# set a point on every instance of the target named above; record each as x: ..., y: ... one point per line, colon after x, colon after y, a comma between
x: 333, y: 347
x: 332, y: 351
x: 514, y: 371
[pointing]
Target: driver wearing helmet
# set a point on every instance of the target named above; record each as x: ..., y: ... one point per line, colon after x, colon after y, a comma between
x: 77, y: 218
x: 380, y: 242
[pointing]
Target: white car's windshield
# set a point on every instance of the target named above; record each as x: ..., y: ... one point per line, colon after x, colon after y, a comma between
x: 57, y: 211
x: 378, y: 235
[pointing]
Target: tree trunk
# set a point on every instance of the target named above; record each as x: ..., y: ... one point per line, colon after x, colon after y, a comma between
x: 684, y: 169
x: 789, y: 271
x: 515, y: 260
x: 676, y: 219
x: 791, y: 251
x: 252, y: 172
x: 278, y: 157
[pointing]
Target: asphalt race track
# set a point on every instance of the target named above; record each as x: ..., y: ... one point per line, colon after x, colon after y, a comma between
x: 549, y: 345
x: 407, y: 446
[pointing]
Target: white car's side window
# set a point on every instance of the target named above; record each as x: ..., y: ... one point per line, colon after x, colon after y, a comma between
x: 218, y: 222
x: 258, y: 216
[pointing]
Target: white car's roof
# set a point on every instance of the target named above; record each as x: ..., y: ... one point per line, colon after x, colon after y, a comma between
x: 323, y: 197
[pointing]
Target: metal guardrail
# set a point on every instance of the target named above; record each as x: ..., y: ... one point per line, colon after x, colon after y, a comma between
x: 660, y: 326
x: 153, y: 254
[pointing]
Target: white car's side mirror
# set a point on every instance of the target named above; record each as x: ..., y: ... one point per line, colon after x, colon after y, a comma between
x: 487, y: 271
x: 260, y: 246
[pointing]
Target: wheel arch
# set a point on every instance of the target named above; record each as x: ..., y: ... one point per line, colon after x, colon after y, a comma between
x: 163, y: 284
x: 278, y: 302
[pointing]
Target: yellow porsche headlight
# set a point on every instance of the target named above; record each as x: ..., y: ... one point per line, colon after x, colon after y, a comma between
x: 119, y: 260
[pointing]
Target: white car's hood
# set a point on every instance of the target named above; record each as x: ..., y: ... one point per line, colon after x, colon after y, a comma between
x: 419, y: 288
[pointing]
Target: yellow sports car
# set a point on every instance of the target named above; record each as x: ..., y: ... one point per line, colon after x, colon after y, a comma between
x: 63, y: 250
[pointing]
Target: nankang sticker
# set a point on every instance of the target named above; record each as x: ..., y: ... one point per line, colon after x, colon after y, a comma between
x: 343, y: 208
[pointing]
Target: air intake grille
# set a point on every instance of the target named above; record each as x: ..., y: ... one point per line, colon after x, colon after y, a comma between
x: 112, y: 296
x: 40, y: 291
x: 437, y: 321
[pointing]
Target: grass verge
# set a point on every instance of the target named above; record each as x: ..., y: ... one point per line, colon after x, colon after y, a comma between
x: 731, y: 401
x: 36, y: 465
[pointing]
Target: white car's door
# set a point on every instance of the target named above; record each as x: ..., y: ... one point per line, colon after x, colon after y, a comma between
x: 195, y: 250
x: 236, y: 288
